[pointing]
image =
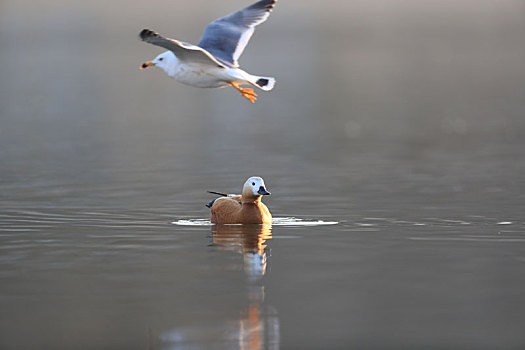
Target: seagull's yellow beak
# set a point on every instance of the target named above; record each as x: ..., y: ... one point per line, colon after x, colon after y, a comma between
x: 146, y: 65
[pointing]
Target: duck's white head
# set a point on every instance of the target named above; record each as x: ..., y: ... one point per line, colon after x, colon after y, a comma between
x: 255, y: 187
x: 165, y: 61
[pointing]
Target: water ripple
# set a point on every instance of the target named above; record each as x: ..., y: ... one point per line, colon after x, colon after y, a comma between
x: 282, y: 221
x: 468, y: 239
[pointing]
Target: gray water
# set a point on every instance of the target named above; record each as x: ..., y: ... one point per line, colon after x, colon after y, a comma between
x: 402, y: 121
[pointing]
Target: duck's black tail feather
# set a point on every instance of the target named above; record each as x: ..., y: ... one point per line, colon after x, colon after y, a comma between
x: 218, y: 193
x: 209, y: 205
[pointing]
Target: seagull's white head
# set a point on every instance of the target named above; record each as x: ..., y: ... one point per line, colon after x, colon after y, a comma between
x: 165, y: 61
x: 254, y: 187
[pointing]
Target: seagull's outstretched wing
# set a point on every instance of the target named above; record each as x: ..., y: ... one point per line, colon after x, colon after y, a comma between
x: 183, y: 51
x: 226, y: 37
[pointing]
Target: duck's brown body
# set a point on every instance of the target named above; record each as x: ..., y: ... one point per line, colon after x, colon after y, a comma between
x: 246, y: 208
x: 231, y: 210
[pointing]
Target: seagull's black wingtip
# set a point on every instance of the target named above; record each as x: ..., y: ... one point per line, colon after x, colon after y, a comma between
x: 146, y: 33
x: 268, y: 4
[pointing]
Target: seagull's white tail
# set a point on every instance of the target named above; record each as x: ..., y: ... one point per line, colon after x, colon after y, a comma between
x: 265, y: 83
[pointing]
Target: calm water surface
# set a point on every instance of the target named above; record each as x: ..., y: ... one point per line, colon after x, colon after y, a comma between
x: 408, y: 133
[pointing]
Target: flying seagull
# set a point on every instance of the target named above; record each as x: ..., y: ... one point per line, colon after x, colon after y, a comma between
x: 213, y: 62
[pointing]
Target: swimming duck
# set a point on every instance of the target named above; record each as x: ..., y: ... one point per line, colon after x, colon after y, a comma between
x: 245, y: 208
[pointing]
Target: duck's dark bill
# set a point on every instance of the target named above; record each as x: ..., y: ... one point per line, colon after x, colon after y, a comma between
x: 262, y: 191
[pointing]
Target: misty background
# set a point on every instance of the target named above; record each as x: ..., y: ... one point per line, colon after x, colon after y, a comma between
x: 375, y: 80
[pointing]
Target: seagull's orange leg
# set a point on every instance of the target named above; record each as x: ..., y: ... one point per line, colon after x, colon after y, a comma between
x: 245, y: 92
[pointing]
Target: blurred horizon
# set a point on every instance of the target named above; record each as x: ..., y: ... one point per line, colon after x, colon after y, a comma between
x: 359, y: 79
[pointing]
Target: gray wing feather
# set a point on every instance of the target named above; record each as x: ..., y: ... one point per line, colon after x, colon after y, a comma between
x: 183, y: 51
x: 226, y: 37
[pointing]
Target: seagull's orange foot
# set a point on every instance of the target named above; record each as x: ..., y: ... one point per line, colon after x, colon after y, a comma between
x: 247, y: 93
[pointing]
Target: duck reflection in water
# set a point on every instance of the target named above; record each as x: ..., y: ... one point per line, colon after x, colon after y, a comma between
x: 258, y: 323
x: 248, y: 240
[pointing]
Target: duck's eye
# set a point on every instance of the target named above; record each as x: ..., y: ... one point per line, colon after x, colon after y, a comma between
x: 160, y: 59
x: 253, y: 183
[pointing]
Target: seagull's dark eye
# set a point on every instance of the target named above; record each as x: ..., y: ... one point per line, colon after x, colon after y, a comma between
x: 160, y: 59
x: 253, y: 183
